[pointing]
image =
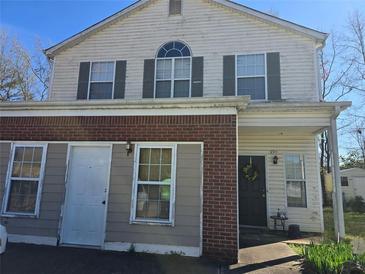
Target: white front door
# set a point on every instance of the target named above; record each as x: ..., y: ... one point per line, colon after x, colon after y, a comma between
x: 84, y: 215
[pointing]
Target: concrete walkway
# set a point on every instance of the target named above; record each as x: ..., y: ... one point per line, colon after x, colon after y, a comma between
x: 267, y: 258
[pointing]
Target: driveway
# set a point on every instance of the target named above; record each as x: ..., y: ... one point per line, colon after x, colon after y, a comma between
x: 33, y: 259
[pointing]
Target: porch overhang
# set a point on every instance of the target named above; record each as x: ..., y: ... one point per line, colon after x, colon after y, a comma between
x: 146, y: 107
x: 289, y: 117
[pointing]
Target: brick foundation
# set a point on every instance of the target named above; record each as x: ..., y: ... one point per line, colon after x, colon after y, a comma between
x: 218, y: 132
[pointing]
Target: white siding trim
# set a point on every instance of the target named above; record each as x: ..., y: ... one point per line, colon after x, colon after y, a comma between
x: 154, y: 248
x: 30, y: 239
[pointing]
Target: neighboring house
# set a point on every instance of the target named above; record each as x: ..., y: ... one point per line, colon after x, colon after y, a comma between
x: 353, y: 182
x: 206, y: 121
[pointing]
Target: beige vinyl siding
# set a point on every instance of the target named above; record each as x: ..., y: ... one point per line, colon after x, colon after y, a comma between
x: 310, y: 218
x: 186, y: 231
x: 209, y: 29
x: 261, y: 118
x: 52, y: 195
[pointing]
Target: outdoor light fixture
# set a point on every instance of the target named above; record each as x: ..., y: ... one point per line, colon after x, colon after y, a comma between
x: 275, y: 160
x: 128, y: 148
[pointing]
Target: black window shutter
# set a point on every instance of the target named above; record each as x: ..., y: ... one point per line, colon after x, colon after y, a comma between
x: 229, y: 75
x: 83, y: 85
x: 273, y: 76
x: 197, y: 76
x: 119, y: 81
x: 148, y: 78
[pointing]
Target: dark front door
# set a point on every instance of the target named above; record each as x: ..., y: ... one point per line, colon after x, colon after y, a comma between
x: 252, y: 190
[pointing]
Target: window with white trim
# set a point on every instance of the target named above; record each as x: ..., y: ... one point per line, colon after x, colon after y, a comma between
x: 295, y: 180
x: 154, y: 184
x: 173, y: 71
x: 251, y: 76
x: 101, y: 80
x: 25, y: 179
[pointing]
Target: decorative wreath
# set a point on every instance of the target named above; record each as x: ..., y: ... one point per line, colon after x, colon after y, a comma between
x: 250, y: 172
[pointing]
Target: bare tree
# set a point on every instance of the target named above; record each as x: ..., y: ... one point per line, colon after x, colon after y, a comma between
x: 335, y: 71
x: 9, y: 79
x: 342, y: 65
x: 356, y: 136
x: 355, y: 44
x: 24, y: 76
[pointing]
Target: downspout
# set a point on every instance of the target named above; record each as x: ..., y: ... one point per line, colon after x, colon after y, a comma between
x: 337, y: 192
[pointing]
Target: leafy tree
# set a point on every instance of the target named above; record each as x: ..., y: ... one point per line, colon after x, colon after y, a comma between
x: 351, y: 160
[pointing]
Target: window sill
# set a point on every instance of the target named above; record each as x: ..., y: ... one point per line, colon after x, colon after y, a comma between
x: 18, y: 215
x: 149, y: 222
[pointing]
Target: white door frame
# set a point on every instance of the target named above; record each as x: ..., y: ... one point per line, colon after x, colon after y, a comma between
x: 68, y: 161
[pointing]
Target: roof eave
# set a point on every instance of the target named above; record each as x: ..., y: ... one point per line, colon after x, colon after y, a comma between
x: 320, y: 37
x: 317, y: 35
x: 52, y: 51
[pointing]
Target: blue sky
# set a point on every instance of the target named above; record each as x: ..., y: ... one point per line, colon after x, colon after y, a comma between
x: 52, y: 21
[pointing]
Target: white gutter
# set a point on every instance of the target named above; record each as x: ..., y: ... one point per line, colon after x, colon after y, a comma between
x: 297, y: 106
x: 173, y: 106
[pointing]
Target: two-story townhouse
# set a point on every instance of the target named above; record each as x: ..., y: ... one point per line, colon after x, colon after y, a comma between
x: 169, y: 125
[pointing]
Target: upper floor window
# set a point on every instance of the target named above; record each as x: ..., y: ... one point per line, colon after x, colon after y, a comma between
x: 173, y: 71
x: 251, y: 76
x: 101, y: 80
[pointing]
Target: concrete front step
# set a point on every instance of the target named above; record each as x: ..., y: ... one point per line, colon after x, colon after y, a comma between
x: 268, y: 258
x: 265, y: 253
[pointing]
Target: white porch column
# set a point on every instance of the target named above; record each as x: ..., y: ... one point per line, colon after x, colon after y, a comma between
x: 337, y: 192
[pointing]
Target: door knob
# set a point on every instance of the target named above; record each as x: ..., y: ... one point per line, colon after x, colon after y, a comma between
x: 103, y: 202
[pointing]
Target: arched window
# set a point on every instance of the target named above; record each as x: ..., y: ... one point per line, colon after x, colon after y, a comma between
x: 173, y: 71
x: 174, y: 49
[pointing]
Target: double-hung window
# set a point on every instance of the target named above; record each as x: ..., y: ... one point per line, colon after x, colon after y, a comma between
x: 24, y: 180
x: 251, y: 76
x: 154, y: 184
x: 101, y: 80
x: 295, y: 180
x: 173, y: 71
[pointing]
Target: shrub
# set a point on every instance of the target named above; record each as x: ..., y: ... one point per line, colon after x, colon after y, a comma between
x: 356, y: 204
x: 330, y: 257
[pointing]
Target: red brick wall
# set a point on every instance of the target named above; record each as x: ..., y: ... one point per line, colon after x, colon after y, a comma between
x: 218, y: 132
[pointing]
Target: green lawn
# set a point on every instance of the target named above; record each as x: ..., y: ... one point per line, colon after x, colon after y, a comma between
x: 354, y: 224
